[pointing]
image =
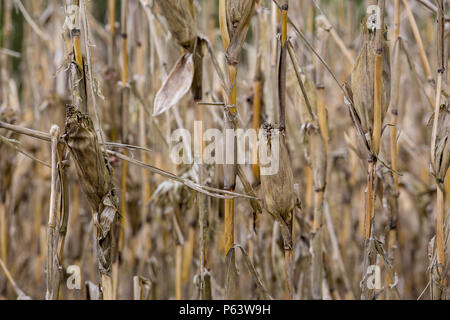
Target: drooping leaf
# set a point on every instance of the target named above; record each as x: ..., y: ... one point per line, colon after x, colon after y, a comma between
x: 176, y: 85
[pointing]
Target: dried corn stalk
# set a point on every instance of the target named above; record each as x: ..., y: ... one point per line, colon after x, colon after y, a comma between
x: 370, y: 83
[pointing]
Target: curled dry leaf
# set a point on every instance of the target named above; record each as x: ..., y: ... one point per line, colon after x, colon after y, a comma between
x: 442, y: 149
x: 176, y: 85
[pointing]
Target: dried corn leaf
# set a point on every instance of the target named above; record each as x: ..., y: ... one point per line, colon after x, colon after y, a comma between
x: 176, y: 85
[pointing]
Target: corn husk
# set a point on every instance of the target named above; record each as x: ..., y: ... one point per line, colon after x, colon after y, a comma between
x: 442, y: 149
x: 180, y: 16
x: 278, y: 189
x: 362, y: 81
x: 95, y: 177
x: 238, y: 14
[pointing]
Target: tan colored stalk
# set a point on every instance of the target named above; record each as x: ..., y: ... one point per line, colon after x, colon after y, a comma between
x: 325, y: 23
x: 123, y: 184
x: 52, y: 270
x: 205, y: 288
x: 447, y: 192
x: 440, y: 213
x: 178, y: 271
x: 20, y: 294
x: 64, y: 209
x: 257, y: 96
x: 234, y: 18
x: 288, y: 252
x: 112, y: 31
x: 76, y: 36
x: 188, y: 253
x: 392, y: 234
x: 3, y: 232
x: 145, y: 175
x: 320, y: 85
x: 371, y: 74
x: 78, y: 77
x: 415, y: 30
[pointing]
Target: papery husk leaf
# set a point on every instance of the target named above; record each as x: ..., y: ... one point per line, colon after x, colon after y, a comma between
x: 362, y: 80
x: 239, y: 14
x: 89, y: 160
x: 180, y: 18
x: 176, y: 85
x: 442, y: 149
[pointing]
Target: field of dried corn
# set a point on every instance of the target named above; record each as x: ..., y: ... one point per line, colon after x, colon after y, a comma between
x: 353, y: 94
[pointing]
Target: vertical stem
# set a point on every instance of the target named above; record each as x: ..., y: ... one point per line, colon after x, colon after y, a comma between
x: 188, y: 252
x: 440, y: 214
x: 124, y: 104
x: 3, y: 232
x: 51, y: 227
x: 419, y: 42
x: 320, y: 86
x: 440, y: 243
x: 178, y: 271
x: 282, y: 67
x: 112, y: 31
x: 392, y: 234
x: 288, y: 254
x: 229, y: 203
x: 257, y: 96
